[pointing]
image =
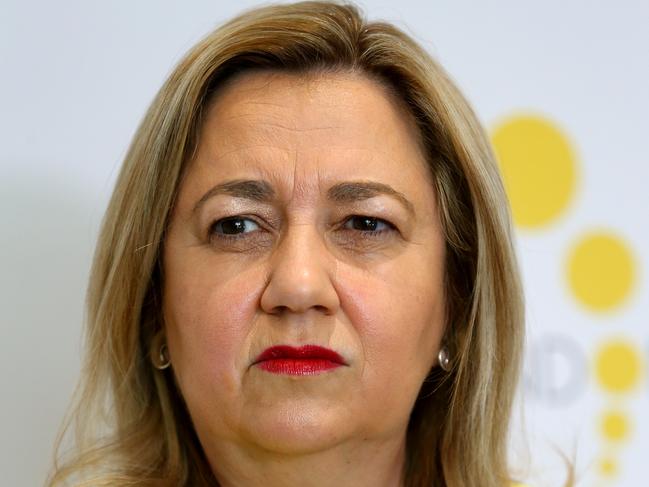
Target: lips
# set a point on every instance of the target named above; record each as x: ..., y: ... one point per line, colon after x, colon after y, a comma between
x: 305, y: 360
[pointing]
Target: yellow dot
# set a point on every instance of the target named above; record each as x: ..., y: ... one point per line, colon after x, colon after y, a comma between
x: 601, y: 271
x: 608, y: 467
x: 615, y: 426
x: 618, y: 366
x: 538, y: 168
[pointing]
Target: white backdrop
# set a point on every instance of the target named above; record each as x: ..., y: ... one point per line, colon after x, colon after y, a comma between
x: 562, y: 86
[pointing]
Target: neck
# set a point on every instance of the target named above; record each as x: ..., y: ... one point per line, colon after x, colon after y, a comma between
x: 361, y: 464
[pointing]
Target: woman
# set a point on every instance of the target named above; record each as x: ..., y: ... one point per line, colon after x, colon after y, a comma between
x: 305, y: 275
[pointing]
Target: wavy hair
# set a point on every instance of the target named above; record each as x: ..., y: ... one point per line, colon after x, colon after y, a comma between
x: 131, y: 425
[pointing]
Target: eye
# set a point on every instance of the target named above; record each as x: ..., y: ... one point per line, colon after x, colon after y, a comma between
x: 368, y: 224
x: 232, y: 226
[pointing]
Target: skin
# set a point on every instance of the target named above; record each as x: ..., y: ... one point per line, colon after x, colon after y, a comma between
x: 304, y: 270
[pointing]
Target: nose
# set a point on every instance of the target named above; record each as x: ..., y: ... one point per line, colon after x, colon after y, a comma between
x: 301, y: 273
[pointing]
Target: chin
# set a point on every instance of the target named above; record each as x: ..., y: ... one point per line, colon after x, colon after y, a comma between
x: 298, y: 428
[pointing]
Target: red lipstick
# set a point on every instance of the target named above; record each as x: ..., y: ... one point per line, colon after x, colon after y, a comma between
x: 306, y: 360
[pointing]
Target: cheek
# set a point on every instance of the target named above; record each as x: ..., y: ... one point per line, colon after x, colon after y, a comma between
x: 398, y: 312
x: 208, y: 320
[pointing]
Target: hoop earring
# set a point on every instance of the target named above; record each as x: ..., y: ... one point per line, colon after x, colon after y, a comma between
x: 444, y: 359
x: 163, y: 357
x: 160, y: 352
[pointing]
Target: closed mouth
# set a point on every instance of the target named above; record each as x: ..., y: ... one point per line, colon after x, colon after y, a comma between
x: 305, y: 360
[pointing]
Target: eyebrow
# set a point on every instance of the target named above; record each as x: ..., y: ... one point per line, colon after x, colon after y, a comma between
x: 350, y: 192
x: 346, y: 192
x: 240, y: 188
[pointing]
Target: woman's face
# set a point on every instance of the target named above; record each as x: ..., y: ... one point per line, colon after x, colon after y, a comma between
x: 306, y: 218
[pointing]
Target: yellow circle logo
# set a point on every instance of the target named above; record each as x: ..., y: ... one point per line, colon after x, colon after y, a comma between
x: 538, y: 166
x: 615, y: 426
x: 618, y: 368
x: 601, y: 271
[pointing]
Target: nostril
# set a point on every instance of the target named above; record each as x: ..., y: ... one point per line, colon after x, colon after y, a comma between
x: 282, y: 310
x: 322, y: 309
x: 279, y: 310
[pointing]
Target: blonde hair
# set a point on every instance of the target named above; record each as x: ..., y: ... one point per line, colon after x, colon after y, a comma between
x: 131, y: 424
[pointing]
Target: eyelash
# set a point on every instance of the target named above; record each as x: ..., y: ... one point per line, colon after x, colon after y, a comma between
x: 389, y: 227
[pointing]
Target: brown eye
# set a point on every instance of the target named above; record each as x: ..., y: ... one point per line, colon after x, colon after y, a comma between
x: 367, y: 224
x: 233, y: 226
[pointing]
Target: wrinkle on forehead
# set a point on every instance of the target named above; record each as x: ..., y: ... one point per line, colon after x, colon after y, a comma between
x: 257, y: 119
x: 301, y: 132
x: 304, y: 188
x: 254, y: 88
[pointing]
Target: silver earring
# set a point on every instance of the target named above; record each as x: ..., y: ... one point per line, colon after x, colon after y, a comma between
x: 162, y: 361
x: 444, y: 359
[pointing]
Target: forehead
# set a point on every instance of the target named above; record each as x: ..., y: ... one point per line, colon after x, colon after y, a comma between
x: 334, y: 127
